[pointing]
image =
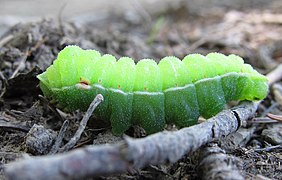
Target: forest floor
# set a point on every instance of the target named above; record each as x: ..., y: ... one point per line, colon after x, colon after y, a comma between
x: 27, y: 49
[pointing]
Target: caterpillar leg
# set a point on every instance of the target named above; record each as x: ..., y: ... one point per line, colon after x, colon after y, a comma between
x: 210, y: 96
x: 229, y: 83
x: 120, y: 108
x: 148, y: 111
x: 181, y: 106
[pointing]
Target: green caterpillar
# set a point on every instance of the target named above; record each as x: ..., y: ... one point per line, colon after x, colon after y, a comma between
x: 150, y: 94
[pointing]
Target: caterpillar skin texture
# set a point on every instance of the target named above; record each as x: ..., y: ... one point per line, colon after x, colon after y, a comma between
x: 150, y: 94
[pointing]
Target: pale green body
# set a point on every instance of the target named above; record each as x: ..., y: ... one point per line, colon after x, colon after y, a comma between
x: 150, y: 94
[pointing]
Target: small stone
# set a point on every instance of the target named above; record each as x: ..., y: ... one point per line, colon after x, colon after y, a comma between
x: 273, y: 134
x: 39, y: 140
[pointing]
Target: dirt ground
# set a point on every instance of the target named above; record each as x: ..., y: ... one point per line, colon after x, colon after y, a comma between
x: 253, y: 31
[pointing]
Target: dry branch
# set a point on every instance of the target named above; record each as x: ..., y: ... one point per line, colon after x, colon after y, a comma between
x: 59, y: 138
x: 216, y: 164
x: 97, y: 100
x: 155, y: 149
x: 275, y: 75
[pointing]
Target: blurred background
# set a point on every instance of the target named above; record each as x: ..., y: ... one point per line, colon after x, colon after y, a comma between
x: 147, y: 28
x: 15, y: 11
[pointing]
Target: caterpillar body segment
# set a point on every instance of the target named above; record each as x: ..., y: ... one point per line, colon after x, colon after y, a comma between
x: 150, y: 94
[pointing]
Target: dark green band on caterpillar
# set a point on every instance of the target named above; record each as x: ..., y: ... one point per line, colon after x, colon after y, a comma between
x: 150, y: 94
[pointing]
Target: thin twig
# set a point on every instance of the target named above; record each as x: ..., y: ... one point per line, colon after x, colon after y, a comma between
x: 261, y: 120
x: 98, y: 99
x: 22, y: 62
x: 60, y: 138
x: 9, y: 125
x: 274, y: 117
x: 267, y: 149
x: 4, y: 84
x: 60, y: 16
x: 6, y: 39
x: 27, y: 54
x: 275, y: 75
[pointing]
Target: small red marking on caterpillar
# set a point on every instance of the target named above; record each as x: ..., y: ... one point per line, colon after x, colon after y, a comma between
x: 84, y: 81
x: 83, y: 84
